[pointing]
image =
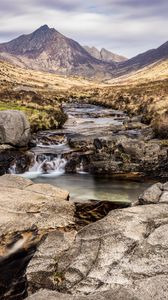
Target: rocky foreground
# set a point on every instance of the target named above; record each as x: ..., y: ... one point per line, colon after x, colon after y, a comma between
x: 122, y: 256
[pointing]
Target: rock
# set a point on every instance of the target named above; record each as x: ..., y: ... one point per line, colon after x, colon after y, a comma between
x: 24, y: 204
x: 118, y: 293
x: 157, y: 193
x: 41, y: 270
x: 152, y: 194
x: 16, y: 250
x: 14, y: 128
x: 128, y: 248
x: 13, y: 160
x: 112, y: 153
x: 164, y: 197
x: 122, y: 256
x: 28, y: 213
x: 165, y: 186
x: 94, y: 210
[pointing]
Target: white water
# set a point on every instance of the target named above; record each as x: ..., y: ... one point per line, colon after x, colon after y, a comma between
x: 80, y: 170
x: 45, y: 167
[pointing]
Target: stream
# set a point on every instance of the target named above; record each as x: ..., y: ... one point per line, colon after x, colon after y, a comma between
x: 50, y: 156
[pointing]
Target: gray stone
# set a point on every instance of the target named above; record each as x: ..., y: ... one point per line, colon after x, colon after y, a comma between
x: 128, y: 248
x: 24, y: 204
x: 28, y: 214
x: 164, y: 197
x: 14, y: 128
x: 152, y: 194
x: 117, y: 293
x: 165, y: 186
x: 41, y: 270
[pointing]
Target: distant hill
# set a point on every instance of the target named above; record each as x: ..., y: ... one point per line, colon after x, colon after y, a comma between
x: 153, y: 72
x: 104, y: 55
x: 143, y: 60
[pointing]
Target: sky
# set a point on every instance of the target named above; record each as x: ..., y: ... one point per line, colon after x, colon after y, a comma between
x: 126, y: 27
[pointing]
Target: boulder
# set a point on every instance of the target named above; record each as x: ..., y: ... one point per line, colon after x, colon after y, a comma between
x: 152, y: 194
x: 28, y: 214
x: 14, y: 128
x: 128, y: 248
x: 24, y: 204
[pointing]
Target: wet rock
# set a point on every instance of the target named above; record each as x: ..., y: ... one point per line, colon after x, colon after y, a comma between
x: 14, y: 128
x: 13, y: 160
x: 97, y: 143
x: 28, y: 213
x: 16, y: 250
x: 94, y: 210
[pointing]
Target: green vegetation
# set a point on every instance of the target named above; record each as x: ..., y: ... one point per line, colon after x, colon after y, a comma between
x: 40, y: 117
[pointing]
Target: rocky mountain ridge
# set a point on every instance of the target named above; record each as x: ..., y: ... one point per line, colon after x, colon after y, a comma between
x: 48, y: 50
x: 104, y: 54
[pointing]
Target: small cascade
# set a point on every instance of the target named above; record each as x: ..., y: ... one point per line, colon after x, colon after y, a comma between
x: 46, y: 166
x: 12, y: 169
x: 80, y: 170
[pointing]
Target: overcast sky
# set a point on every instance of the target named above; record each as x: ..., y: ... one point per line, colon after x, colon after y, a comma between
x: 126, y: 27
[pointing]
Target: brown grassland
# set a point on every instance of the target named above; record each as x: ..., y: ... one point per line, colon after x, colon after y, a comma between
x: 40, y: 95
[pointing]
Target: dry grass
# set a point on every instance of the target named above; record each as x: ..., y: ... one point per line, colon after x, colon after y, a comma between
x: 39, y: 90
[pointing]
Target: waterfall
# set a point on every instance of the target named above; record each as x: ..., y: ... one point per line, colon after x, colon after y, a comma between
x: 12, y: 169
x: 43, y: 166
x: 80, y: 170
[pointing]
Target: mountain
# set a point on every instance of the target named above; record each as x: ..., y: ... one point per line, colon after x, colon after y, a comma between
x: 157, y: 71
x: 48, y: 50
x: 104, y: 55
x: 143, y: 60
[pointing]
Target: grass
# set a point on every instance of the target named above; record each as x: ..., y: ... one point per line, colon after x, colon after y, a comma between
x: 41, y: 117
x: 40, y: 94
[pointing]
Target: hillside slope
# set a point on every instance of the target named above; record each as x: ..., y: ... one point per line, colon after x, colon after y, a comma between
x: 48, y: 50
x: 153, y: 72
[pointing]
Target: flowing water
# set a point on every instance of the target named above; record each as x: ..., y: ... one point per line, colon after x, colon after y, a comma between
x: 48, y: 163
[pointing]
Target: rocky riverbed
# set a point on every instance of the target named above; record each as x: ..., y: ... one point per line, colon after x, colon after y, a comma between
x: 120, y: 254
x: 54, y: 248
x: 99, y: 141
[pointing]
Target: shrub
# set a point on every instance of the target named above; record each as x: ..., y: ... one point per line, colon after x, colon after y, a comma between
x: 160, y: 126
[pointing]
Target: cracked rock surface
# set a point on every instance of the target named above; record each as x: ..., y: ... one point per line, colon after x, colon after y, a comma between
x: 24, y: 204
x: 28, y: 214
x: 128, y: 248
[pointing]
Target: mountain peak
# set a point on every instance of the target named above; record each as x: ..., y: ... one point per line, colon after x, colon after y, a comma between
x: 104, y: 55
x: 44, y: 27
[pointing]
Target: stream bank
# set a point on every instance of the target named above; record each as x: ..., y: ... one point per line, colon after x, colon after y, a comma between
x: 100, y: 154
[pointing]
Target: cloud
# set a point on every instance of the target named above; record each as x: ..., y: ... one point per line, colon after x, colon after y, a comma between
x: 127, y: 27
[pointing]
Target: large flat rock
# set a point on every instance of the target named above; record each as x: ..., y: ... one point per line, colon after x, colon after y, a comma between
x: 30, y: 215
x: 117, y: 293
x: 128, y: 248
x: 24, y: 204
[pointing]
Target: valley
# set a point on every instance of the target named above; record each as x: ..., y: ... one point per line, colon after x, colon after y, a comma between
x: 83, y: 171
